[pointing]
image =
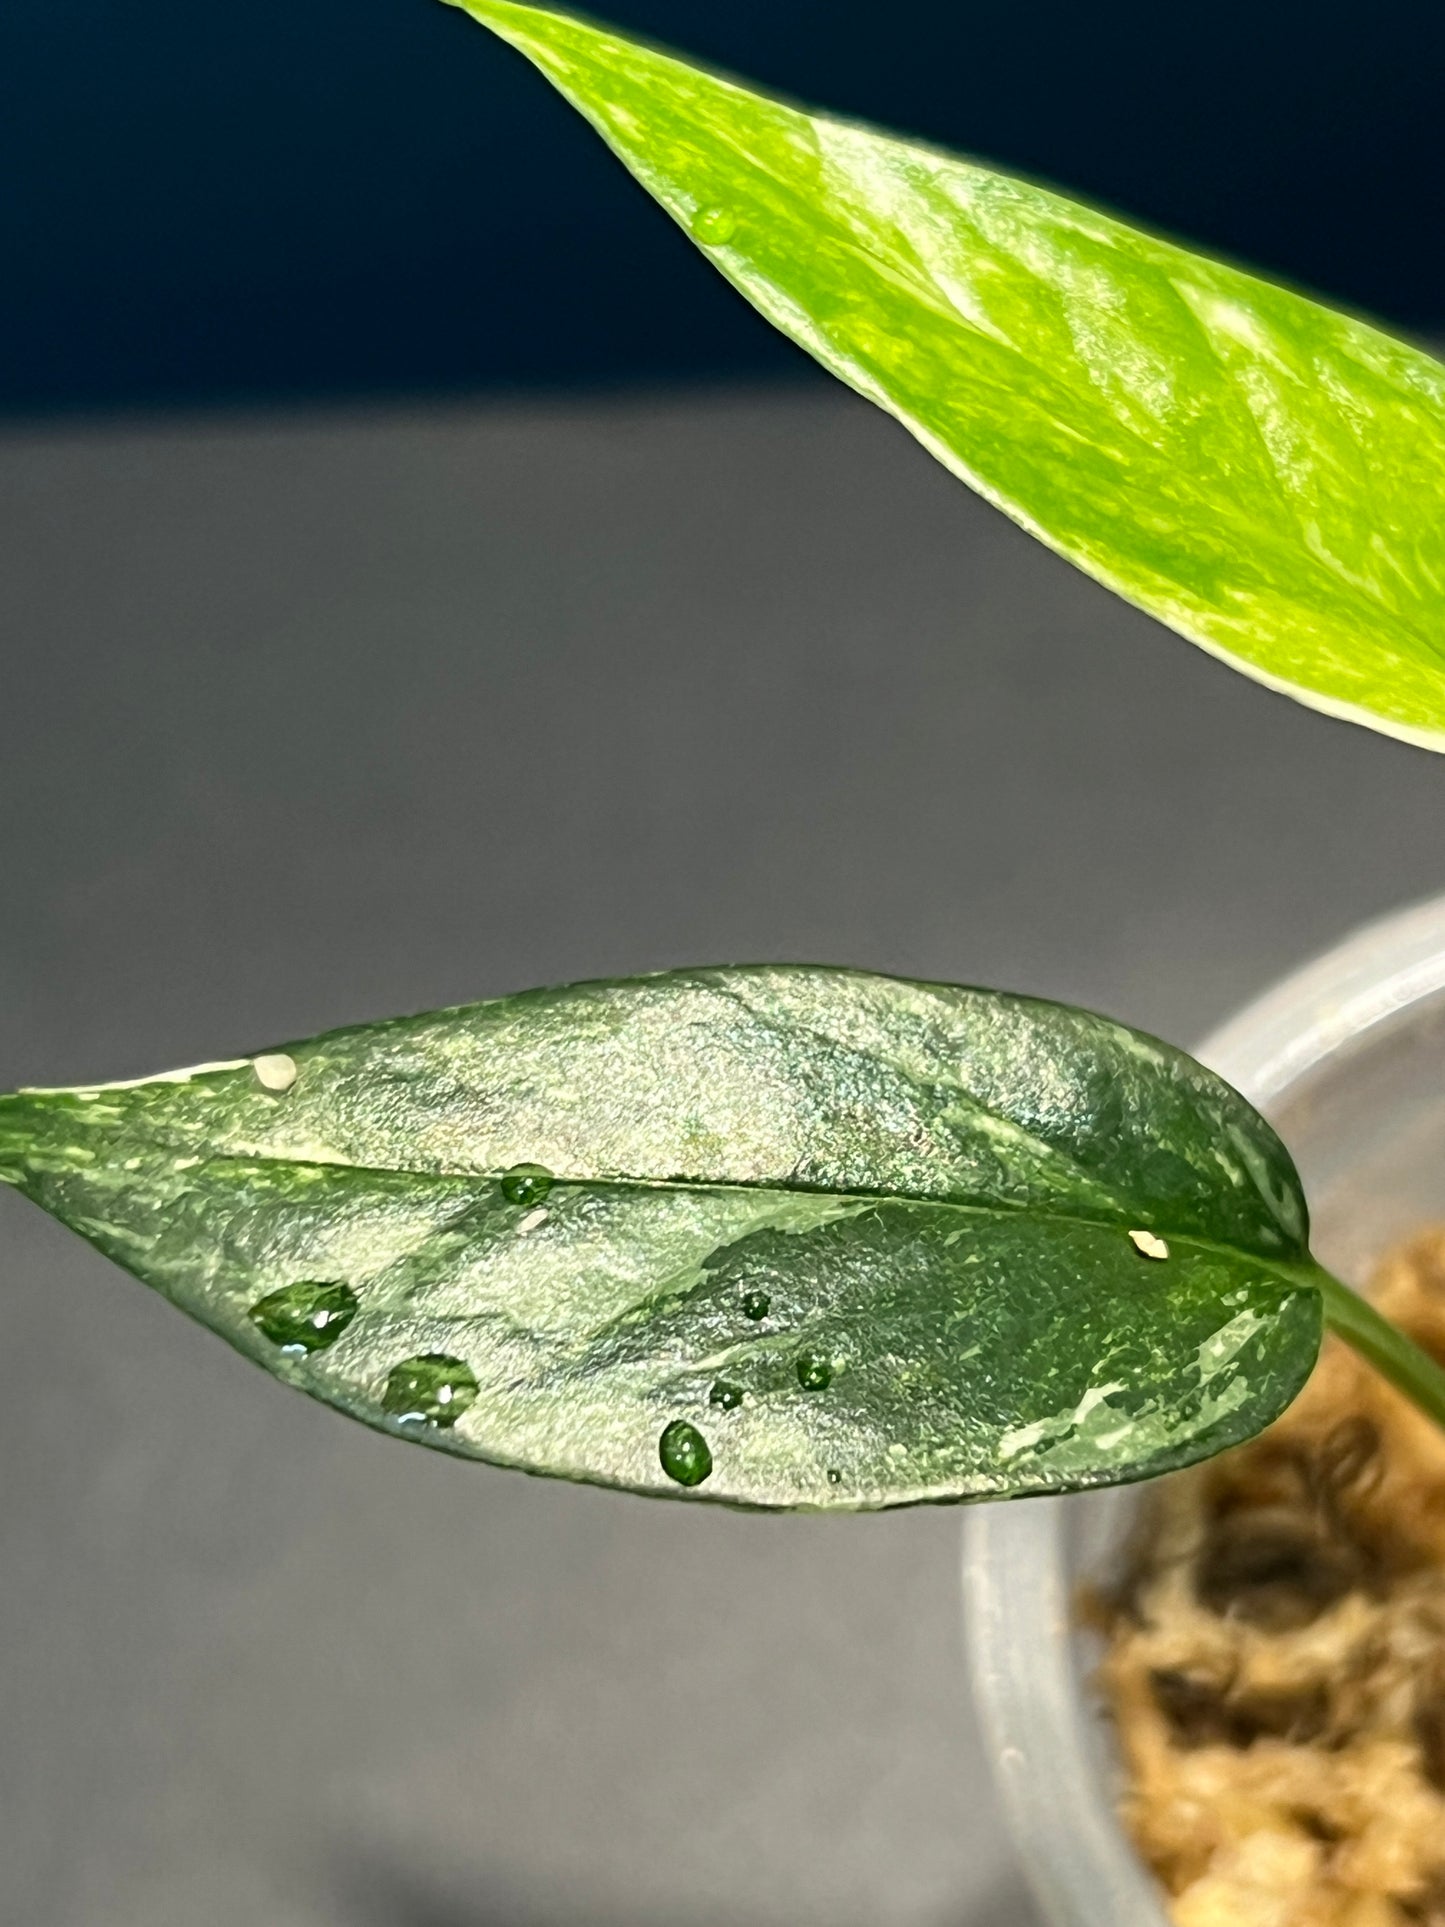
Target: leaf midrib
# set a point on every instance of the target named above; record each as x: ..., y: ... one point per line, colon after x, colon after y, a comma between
x: 1297, y: 1269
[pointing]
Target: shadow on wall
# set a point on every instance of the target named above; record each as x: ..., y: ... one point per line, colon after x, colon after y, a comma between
x: 373, y: 195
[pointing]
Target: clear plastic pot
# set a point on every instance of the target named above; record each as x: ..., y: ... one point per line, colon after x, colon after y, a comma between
x: 1347, y: 1059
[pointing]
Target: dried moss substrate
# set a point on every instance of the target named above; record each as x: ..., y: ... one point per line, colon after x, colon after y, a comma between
x: 1276, y: 1656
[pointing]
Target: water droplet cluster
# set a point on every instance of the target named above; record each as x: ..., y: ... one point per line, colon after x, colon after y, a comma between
x: 436, y: 1389
x: 432, y: 1388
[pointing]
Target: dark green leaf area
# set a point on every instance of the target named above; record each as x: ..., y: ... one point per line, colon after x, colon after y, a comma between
x: 968, y: 1353
x: 893, y: 1220
x: 924, y: 1353
x: 801, y: 1077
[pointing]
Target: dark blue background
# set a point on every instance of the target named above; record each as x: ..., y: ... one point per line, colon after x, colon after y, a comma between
x: 330, y: 196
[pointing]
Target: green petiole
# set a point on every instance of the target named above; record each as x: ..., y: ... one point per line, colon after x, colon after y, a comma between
x: 1395, y: 1356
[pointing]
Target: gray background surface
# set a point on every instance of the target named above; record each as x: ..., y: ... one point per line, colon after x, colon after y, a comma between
x: 311, y: 721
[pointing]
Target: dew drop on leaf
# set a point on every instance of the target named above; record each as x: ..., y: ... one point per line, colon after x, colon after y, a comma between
x: 432, y: 1387
x: 304, y: 1317
x: 526, y: 1183
x: 757, y: 1304
x: 715, y: 225
x: 684, y: 1453
x: 726, y: 1397
x: 815, y: 1374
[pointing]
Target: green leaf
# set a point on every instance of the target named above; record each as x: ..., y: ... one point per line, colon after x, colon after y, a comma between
x: 1263, y: 474
x: 775, y: 1236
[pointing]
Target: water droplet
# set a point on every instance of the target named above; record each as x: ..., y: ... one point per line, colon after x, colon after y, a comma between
x: 526, y: 1183
x: 726, y: 1397
x: 276, y: 1072
x: 683, y: 1452
x: 757, y: 1304
x: 304, y: 1317
x: 835, y: 1477
x: 815, y: 1373
x: 431, y: 1387
x: 715, y: 225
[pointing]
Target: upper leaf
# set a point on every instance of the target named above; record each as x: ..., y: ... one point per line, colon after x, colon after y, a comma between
x: 1265, y: 475
x: 781, y: 1236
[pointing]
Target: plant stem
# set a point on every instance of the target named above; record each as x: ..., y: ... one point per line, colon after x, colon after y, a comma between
x: 1409, y: 1369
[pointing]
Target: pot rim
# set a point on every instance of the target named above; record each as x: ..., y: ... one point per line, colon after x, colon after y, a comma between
x: 1041, y: 1739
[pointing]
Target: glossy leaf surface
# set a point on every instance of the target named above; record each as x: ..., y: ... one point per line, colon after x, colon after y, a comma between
x: 775, y: 1236
x: 1263, y: 474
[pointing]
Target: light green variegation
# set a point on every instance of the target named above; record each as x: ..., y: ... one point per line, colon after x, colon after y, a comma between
x: 1263, y: 474
x: 773, y: 1236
